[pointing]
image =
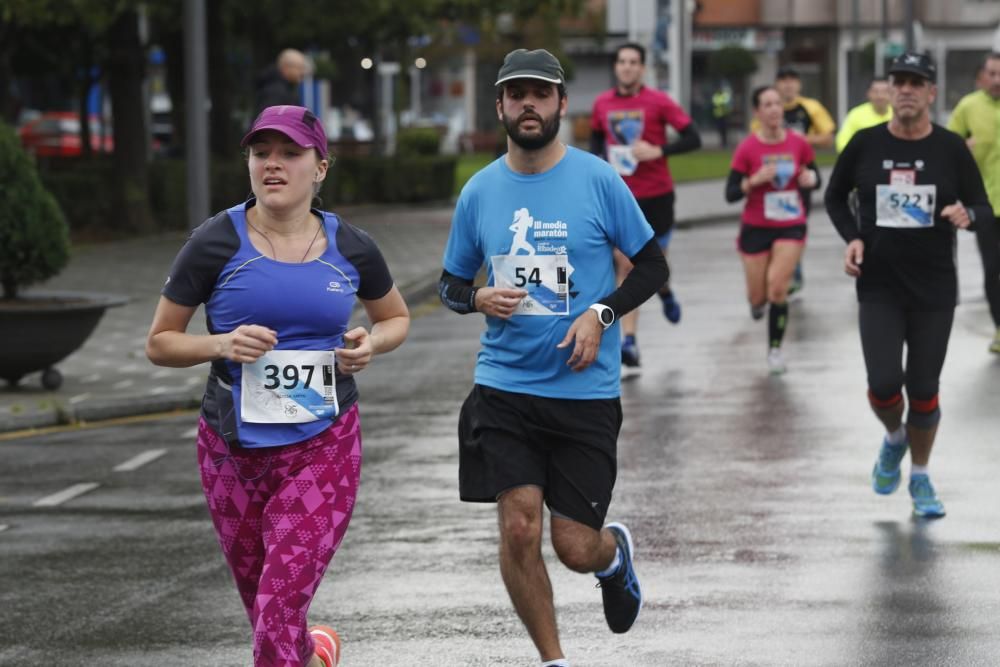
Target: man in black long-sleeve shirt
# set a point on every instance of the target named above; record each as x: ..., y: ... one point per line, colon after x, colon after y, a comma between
x: 916, y: 183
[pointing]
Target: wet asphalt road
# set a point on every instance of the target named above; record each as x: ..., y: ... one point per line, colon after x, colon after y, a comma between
x: 759, y: 540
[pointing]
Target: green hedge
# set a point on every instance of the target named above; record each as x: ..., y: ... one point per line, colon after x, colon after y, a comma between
x: 399, y: 179
x: 82, y: 188
x: 418, y: 141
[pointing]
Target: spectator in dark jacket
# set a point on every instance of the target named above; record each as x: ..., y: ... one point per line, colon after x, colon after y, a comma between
x: 279, y: 83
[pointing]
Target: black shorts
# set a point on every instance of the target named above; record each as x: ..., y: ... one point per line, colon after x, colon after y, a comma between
x: 659, y: 212
x: 758, y: 240
x: 567, y: 447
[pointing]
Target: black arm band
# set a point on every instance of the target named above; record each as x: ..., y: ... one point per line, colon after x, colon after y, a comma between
x: 733, y: 190
x: 649, y: 273
x: 688, y: 140
x: 597, y: 143
x: 459, y: 294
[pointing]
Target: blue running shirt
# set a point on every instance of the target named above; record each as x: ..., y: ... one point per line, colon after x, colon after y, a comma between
x: 579, y: 208
x: 308, y: 304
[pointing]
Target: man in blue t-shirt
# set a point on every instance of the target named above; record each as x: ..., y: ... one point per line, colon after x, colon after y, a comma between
x: 541, y: 423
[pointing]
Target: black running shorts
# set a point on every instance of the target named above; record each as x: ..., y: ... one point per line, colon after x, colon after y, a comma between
x: 566, y: 447
x: 758, y: 240
x: 659, y: 212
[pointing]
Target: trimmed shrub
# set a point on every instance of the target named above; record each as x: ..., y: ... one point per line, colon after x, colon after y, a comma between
x: 418, y: 141
x: 34, y: 236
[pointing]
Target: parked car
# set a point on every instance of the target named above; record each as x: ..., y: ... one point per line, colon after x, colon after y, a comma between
x: 57, y: 134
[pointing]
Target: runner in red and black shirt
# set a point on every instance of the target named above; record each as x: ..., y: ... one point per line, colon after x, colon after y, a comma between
x: 769, y: 168
x: 629, y: 129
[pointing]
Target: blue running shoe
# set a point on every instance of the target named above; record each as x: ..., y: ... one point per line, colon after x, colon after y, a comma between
x: 885, y: 474
x: 925, y: 500
x: 630, y: 352
x: 671, y: 307
x: 621, y: 592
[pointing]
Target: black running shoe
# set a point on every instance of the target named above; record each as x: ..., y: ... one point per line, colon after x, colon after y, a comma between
x: 630, y: 352
x: 621, y: 592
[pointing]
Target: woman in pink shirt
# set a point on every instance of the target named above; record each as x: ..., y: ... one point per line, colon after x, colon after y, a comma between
x: 768, y: 168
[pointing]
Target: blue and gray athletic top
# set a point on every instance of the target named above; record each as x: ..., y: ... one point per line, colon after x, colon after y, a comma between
x: 308, y: 304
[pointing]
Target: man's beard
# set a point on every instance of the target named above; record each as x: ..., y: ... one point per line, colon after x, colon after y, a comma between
x: 532, y: 142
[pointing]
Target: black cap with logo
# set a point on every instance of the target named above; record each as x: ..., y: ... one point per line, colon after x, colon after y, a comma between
x: 911, y: 62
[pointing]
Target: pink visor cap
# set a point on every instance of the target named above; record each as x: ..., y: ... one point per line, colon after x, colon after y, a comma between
x: 297, y: 123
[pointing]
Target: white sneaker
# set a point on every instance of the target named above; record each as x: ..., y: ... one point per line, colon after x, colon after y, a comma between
x: 776, y: 362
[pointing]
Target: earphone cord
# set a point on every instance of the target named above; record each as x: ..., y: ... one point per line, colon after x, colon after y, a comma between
x: 274, y: 253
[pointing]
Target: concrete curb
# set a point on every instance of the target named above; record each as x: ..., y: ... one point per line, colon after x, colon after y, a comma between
x: 62, y: 414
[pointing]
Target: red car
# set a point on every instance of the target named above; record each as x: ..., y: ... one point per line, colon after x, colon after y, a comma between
x: 57, y: 134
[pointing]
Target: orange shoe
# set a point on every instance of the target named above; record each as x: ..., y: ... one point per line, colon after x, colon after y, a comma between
x: 327, y: 644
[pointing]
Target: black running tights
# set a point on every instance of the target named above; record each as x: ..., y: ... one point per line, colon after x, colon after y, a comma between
x: 885, y: 328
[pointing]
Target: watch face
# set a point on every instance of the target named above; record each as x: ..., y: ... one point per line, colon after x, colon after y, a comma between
x: 607, y: 317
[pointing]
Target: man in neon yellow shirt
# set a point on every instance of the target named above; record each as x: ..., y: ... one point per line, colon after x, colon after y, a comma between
x: 873, y: 112
x: 977, y: 118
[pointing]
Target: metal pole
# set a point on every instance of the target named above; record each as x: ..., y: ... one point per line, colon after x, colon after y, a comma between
x: 675, y: 83
x: 908, y: 23
x: 882, y: 40
x: 196, y: 91
x: 687, y: 15
x: 855, y: 59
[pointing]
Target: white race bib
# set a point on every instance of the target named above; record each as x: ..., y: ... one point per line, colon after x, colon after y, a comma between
x: 289, y: 387
x: 622, y: 159
x: 905, y: 206
x: 782, y: 205
x: 545, y: 277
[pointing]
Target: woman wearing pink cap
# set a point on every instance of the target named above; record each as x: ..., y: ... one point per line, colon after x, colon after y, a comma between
x: 279, y: 440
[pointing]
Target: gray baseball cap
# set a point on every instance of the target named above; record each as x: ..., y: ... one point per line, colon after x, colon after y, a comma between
x: 525, y: 64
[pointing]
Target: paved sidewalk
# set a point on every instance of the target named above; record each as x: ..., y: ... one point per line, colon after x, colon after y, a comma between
x: 110, y: 376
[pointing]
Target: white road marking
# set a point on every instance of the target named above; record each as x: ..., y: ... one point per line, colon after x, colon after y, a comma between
x: 137, y: 462
x: 3, y: 527
x: 79, y: 398
x: 66, y: 494
x: 89, y: 379
x: 161, y: 373
x: 123, y: 384
x: 190, y: 433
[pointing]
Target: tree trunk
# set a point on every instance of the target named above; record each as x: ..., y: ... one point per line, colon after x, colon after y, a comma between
x: 220, y: 129
x: 8, y: 104
x: 172, y: 42
x: 126, y: 65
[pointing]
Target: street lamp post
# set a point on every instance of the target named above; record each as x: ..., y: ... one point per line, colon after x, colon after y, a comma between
x: 196, y: 92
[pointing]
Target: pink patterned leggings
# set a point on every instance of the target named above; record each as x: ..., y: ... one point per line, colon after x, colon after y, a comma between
x: 280, y: 513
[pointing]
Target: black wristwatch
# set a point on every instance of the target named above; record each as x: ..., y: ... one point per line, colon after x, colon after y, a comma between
x: 605, y: 315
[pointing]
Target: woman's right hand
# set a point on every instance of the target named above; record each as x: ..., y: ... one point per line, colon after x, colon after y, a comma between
x: 853, y: 257
x: 247, y: 343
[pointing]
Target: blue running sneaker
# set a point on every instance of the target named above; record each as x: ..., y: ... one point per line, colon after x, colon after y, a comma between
x: 885, y: 474
x: 630, y: 352
x: 671, y: 307
x: 925, y: 500
x: 621, y: 592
